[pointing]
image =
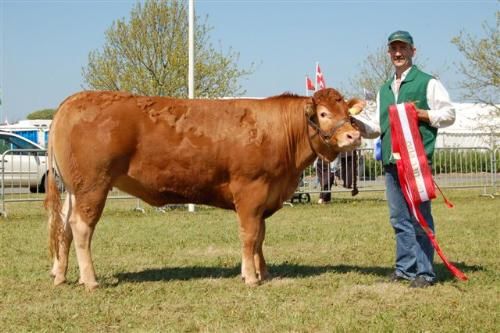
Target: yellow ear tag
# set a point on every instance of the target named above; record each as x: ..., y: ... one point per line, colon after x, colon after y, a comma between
x: 354, y: 110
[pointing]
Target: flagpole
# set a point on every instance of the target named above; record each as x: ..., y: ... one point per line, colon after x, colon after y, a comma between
x: 191, y: 62
x: 316, y: 77
x: 191, y: 50
x: 307, y: 90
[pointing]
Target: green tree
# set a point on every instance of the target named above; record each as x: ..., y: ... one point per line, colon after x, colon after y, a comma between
x: 148, y: 55
x: 481, y: 69
x: 42, y: 114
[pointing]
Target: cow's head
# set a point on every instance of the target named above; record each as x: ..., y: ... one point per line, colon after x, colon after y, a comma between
x: 330, y: 127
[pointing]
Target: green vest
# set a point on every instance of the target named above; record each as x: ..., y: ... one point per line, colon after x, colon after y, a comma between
x: 412, y: 89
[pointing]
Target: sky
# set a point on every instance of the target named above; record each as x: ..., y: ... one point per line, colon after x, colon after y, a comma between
x: 45, y: 44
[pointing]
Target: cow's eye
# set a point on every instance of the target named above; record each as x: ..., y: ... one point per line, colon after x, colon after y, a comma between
x: 323, y: 114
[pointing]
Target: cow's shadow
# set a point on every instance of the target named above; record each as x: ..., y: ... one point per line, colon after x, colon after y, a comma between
x: 284, y: 270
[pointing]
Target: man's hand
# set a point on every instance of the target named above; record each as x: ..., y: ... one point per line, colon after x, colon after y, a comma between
x: 423, y: 115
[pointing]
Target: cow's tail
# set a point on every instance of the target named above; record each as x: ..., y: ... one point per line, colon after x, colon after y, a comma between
x: 53, y: 204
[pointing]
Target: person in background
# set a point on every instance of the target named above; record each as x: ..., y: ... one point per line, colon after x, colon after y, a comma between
x: 326, y: 180
x: 349, y: 171
x: 414, y: 251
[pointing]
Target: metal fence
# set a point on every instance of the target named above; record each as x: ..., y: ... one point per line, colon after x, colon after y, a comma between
x: 471, y: 167
x: 23, y: 174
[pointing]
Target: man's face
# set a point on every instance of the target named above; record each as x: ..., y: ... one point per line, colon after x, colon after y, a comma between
x: 401, y: 54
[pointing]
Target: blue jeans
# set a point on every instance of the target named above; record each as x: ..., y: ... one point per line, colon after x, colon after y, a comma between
x: 414, y: 251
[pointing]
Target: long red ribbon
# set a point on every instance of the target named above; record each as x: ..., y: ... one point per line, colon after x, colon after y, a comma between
x: 414, y: 172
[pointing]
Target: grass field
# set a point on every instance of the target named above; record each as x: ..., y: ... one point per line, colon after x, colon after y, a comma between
x: 179, y: 272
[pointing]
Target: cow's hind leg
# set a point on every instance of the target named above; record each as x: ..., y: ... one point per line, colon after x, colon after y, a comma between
x: 88, y: 210
x: 260, y: 262
x: 60, y: 266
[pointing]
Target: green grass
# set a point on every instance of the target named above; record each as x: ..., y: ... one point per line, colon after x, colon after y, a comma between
x: 179, y: 272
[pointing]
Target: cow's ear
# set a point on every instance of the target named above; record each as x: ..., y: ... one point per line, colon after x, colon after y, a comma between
x: 310, y: 110
x: 355, y: 106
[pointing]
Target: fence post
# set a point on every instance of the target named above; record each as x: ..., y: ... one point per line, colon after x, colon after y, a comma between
x: 494, y: 171
x: 2, y: 194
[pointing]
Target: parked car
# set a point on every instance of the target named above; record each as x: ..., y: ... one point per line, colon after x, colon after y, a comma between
x: 23, y: 163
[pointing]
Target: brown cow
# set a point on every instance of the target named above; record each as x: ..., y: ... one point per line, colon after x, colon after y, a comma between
x: 241, y: 154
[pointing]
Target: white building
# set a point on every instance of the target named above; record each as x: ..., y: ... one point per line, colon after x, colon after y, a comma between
x: 475, y: 126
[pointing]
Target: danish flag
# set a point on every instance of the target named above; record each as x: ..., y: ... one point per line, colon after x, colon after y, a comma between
x: 309, y: 84
x: 320, y: 80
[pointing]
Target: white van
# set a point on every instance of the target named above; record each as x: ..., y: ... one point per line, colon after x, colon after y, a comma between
x: 23, y: 163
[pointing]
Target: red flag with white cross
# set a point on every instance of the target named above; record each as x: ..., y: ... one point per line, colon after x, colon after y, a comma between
x: 320, y: 80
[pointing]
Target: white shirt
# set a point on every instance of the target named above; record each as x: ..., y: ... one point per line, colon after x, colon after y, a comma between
x: 441, y: 112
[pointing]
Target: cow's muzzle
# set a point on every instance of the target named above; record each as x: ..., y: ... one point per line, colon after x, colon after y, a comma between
x: 349, y: 139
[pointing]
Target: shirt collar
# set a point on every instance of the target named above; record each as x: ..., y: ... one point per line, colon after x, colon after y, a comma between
x: 405, y: 73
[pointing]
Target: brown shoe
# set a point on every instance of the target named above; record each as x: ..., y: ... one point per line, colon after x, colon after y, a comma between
x: 421, y: 282
x: 393, y: 277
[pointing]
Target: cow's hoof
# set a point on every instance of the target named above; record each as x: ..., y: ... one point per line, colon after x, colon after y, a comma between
x: 89, y: 286
x: 58, y: 280
x: 264, y: 277
x: 252, y: 282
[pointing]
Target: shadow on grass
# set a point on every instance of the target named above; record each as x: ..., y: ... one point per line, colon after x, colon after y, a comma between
x: 284, y: 270
x: 443, y: 274
x: 179, y: 273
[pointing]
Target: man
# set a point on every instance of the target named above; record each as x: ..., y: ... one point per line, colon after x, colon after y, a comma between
x: 414, y: 251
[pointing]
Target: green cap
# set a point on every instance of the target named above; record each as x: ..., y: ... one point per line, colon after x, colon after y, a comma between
x: 402, y: 36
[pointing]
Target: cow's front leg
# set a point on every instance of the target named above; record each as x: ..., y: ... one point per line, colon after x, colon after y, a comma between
x: 260, y: 262
x: 249, y: 233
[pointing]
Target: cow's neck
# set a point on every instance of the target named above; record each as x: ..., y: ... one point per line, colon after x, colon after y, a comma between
x: 306, y: 140
x: 302, y: 142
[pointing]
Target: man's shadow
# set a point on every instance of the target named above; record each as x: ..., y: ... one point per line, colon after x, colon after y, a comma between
x: 284, y: 270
